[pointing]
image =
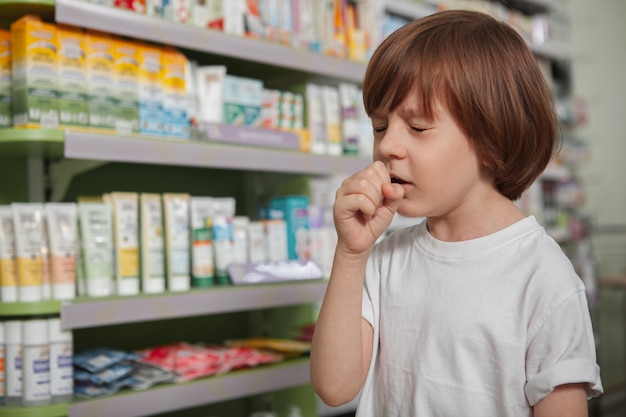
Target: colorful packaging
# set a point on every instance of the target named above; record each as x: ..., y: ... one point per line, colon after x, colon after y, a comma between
x: 126, y: 70
x: 296, y: 215
x: 202, y: 264
x: 72, y: 87
x: 207, y: 14
x: 243, y: 99
x: 34, y: 73
x: 99, y: 70
x: 62, y: 223
x: 210, y: 93
x: 152, y: 243
x: 150, y: 74
x: 8, y: 266
x: 6, y: 106
x: 96, y: 237
x: 332, y: 119
x: 176, y: 208
x: 315, y: 122
x: 138, y: 6
x: 175, y: 97
x: 223, y: 213
x: 28, y: 225
x: 126, y: 233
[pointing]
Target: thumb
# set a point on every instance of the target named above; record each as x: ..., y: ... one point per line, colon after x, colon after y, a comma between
x: 393, y: 194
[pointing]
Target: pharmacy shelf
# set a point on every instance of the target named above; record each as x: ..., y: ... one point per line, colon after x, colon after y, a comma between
x: 16, y: 310
x: 136, y: 149
x: 87, y: 145
x: 53, y: 410
x: 90, y: 312
x: 127, y: 23
x: 209, y: 390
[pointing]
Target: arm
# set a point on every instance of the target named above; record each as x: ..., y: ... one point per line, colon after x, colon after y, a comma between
x: 342, y: 342
x: 569, y: 400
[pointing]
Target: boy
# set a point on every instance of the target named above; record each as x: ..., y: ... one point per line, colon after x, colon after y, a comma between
x: 476, y: 311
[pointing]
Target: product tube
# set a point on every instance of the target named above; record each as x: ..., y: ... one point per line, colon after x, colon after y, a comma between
x: 176, y: 207
x: 46, y: 273
x: 126, y: 233
x: 62, y: 220
x: 96, y: 236
x: 202, y: 265
x: 223, y: 213
x: 152, y: 243
x: 8, y: 267
x: 28, y: 224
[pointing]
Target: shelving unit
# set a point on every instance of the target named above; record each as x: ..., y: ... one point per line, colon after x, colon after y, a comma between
x: 69, y: 146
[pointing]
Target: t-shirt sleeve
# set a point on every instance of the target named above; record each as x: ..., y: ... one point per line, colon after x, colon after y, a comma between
x: 562, y: 351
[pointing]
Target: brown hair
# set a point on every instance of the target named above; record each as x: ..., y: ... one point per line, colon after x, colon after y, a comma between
x: 481, y: 70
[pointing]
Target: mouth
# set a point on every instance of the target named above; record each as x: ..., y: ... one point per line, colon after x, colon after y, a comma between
x: 396, y: 180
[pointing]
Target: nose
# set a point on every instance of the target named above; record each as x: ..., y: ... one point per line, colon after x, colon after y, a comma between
x: 389, y: 144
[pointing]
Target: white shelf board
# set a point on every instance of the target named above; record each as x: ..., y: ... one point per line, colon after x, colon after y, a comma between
x: 121, y: 310
x: 209, y: 390
x: 127, y: 23
x: 135, y: 149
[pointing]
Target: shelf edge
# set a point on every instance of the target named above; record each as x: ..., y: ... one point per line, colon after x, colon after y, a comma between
x: 201, y: 392
x: 94, y: 146
x: 124, y: 310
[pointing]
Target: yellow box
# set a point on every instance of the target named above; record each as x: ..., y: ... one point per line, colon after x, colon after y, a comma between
x: 100, y: 77
x: 34, y: 66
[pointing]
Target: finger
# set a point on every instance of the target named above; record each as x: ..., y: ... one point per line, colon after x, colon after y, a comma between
x: 393, y: 195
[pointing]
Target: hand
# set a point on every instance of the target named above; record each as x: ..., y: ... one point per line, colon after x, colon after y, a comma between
x: 364, y: 208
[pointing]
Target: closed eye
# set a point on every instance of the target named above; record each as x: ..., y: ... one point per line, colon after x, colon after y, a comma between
x: 417, y: 129
x: 379, y: 129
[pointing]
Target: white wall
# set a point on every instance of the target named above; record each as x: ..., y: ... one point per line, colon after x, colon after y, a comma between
x: 598, y: 45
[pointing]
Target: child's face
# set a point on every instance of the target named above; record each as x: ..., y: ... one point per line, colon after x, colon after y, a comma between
x: 434, y: 160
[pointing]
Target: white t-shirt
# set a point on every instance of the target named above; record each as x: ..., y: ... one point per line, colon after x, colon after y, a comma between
x: 485, y: 327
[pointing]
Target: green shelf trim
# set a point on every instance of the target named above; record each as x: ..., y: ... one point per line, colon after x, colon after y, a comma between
x: 29, y: 309
x: 36, y: 135
x: 27, y: 142
x: 53, y: 410
x: 11, y: 10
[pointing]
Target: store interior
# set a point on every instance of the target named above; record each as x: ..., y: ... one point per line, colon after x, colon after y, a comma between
x: 288, y: 150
